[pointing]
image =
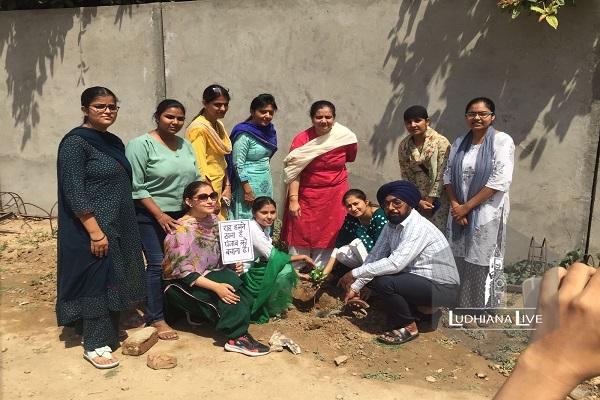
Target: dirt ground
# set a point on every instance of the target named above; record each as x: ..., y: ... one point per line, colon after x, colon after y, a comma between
x: 41, y: 360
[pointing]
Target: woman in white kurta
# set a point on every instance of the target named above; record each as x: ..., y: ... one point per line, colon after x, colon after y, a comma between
x: 477, y: 179
x: 270, y: 278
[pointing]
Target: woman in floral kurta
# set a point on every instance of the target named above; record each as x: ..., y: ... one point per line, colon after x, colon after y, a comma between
x: 197, y: 281
x: 423, y: 156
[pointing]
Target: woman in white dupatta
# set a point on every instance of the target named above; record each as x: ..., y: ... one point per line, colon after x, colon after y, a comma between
x: 316, y: 175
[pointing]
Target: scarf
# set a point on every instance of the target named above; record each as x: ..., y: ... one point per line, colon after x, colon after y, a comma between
x: 483, y: 170
x: 220, y: 143
x: 265, y: 135
x: 104, y: 142
x: 301, y: 156
x: 427, y: 157
x: 193, y: 247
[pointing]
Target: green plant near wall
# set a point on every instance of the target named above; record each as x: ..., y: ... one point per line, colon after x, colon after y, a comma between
x: 517, y: 272
x: 7, y: 5
x: 546, y: 10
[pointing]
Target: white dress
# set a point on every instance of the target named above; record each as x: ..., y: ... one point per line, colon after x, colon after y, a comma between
x: 261, y: 242
x: 490, y: 230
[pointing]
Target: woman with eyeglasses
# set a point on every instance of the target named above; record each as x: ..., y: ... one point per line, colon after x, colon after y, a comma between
x: 211, y: 143
x: 198, y: 282
x: 100, y: 264
x: 477, y: 180
x: 163, y: 164
x: 422, y: 156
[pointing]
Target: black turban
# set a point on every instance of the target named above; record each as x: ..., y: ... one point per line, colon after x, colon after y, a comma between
x: 404, y: 190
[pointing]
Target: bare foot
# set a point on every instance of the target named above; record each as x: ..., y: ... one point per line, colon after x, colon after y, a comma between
x: 165, y: 332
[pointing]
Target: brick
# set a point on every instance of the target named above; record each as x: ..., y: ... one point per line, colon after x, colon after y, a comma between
x: 140, y: 341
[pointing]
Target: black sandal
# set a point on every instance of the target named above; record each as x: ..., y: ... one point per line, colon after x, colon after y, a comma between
x: 397, y: 336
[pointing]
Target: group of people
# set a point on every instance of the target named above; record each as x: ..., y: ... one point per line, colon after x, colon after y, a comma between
x: 425, y: 244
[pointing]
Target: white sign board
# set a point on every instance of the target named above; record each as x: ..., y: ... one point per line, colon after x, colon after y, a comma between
x: 236, y: 242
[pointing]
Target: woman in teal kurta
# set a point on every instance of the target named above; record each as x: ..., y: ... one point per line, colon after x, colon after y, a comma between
x: 254, y: 143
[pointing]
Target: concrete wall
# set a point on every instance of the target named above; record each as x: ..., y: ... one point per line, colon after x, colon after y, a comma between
x: 372, y: 59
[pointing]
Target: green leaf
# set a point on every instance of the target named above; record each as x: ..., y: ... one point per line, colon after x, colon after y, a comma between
x: 538, y: 10
x: 552, y: 21
x: 516, y: 12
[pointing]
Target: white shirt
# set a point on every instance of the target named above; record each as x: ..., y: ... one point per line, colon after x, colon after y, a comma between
x: 414, y: 246
x: 261, y: 242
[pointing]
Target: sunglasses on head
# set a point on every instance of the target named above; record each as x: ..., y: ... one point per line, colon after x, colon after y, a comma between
x: 205, y: 196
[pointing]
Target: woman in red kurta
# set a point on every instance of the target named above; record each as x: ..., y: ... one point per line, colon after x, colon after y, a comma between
x: 315, y: 171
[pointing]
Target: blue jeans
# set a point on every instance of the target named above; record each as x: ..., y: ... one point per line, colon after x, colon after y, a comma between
x: 153, y: 236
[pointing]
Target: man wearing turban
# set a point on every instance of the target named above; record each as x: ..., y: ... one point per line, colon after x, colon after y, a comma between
x: 411, y: 267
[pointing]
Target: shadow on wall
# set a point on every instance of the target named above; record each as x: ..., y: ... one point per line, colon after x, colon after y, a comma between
x: 30, y: 57
x: 458, y: 53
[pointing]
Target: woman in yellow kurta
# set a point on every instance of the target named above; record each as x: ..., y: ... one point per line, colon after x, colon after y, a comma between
x: 211, y: 143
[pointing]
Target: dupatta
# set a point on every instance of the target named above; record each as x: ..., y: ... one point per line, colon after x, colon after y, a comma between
x: 221, y: 145
x: 301, y: 156
x: 271, y: 295
x: 484, y: 165
x: 267, y: 136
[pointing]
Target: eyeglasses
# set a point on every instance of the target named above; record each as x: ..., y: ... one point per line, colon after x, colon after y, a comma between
x: 205, y: 196
x: 104, y: 107
x: 396, y: 203
x: 480, y: 114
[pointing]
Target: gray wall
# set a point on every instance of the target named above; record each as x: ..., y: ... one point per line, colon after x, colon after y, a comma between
x: 373, y: 59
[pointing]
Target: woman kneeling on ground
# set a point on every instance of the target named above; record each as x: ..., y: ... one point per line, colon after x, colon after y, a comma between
x: 197, y: 281
x: 362, y: 226
x: 270, y: 277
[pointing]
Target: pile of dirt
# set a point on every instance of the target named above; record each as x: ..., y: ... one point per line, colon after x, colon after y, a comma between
x: 447, y: 359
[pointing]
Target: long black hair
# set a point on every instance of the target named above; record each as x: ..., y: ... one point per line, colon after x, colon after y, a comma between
x: 488, y: 103
x: 89, y: 94
x: 164, y: 106
x: 317, y: 105
x: 190, y: 190
x: 212, y: 92
x: 260, y: 202
x: 261, y: 101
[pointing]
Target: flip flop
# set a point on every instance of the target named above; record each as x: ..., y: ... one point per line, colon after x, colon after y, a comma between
x: 396, y: 337
x: 104, y: 352
x: 358, y: 303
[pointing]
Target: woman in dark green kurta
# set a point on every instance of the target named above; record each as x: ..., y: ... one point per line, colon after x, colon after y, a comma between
x: 100, y: 264
x: 362, y: 226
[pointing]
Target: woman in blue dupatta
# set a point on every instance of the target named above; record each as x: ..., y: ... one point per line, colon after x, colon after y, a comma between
x: 254, y: 143
x: 270, y: 277
x: 477, y: 180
